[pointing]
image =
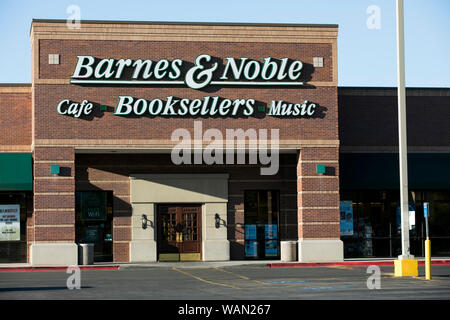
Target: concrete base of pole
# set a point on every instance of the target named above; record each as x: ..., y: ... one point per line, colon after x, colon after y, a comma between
x: 406, y: 268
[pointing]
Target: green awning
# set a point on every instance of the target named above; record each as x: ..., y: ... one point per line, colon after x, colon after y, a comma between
x: 15, y: 172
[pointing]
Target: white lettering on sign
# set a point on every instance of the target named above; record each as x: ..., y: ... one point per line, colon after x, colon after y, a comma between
x: 74, y: 109
x: 243, y: 71
x: 280, y: 108
x: 205, y: 71
x: 205, y: 107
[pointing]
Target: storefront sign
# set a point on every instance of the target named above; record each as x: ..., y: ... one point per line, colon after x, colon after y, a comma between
x: 204, y: 72
x: 206, y: 107
x: 243, y: 71
x: 10, y: 222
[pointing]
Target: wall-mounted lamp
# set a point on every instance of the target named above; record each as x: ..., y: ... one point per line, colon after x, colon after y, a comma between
x: 218, y: 220
x: 54, y: 169
x: 144, y: 221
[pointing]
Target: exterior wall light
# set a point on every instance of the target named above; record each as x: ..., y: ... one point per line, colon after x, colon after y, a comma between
x: 54, y: 169
x: 144, y: 221
x: 218, y: 221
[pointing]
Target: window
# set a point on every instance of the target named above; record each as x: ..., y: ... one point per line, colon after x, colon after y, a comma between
x: 94, y: 222
x: 13, y: 226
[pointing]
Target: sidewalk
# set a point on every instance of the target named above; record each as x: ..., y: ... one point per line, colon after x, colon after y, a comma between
x: 213, y: 264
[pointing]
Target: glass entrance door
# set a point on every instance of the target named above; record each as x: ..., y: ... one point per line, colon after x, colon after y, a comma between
x: 179, y: 235
x: 261, y: 211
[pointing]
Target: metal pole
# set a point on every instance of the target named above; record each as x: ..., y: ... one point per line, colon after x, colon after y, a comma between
x: 402, y: 133
x: 390, y: 239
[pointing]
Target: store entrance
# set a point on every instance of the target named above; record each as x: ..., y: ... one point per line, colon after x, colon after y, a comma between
x: 261, y: 212
x: 179, y: 232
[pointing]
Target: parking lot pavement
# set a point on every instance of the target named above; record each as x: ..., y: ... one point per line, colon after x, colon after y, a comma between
x: 254, y: 282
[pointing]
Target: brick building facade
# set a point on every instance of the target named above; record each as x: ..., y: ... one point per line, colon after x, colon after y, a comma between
x: 116, y: 184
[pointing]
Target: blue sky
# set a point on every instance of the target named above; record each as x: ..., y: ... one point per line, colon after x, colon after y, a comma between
x: 367, y: 57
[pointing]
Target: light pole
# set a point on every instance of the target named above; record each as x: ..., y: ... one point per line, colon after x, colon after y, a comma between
x: 406, y: 265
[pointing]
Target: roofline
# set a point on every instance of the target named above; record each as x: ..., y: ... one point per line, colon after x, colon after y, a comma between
x: 15, y: 84
x: 12, y: 88
x: 391, y: 88
x: 190, y: 23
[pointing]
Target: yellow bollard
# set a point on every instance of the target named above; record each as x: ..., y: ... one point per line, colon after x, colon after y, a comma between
x: 428, y: 259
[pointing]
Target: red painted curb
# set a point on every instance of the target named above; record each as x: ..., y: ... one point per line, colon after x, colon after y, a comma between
x: 347, y: 263
x: 18, y: 269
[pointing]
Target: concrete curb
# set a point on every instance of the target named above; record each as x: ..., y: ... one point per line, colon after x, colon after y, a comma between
x: 348, y: 264
x: 365, y: 263
x: 84, y: 268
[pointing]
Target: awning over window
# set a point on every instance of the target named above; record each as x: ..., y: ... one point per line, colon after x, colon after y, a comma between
x: 15, y: 172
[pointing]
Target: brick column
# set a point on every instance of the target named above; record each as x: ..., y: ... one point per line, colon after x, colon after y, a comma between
x: 53, y: 236
x: 318, y: 205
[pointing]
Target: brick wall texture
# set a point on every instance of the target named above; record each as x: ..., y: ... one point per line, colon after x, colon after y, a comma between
x: 15, y: 119
x: 309, y: 202
x: 53, y: 218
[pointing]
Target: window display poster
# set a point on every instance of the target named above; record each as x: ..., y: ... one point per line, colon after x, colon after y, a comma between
x: 346, y: 210
x: 10, y: 222
x: 411, y: 216
x: 271, y: 248
x: 93, y: 206
x: 270, y: 231
x: 91, y: 234
x: 251, y: 248
x: 250, y: 232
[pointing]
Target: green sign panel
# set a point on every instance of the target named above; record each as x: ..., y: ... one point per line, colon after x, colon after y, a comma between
x: 91, y: 234
x: 93, y: 206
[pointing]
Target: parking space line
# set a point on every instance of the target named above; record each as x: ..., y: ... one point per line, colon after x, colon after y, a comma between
x: 203, y: 280
x: 340, y: 267
x: 240, y: 276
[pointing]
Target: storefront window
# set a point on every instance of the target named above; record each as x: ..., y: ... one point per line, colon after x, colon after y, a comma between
x: 94, y: 222
x: 376, y: 224
x: 13, y: 227
x: 261, y: 224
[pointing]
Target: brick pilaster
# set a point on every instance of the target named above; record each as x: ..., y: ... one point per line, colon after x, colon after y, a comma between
x: 318, y: 194
x: 54, y: 196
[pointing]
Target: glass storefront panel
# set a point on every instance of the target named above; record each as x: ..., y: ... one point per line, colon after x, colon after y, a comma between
x: 13, y: 226
x: 261, y: 210
x: 94, y: 222
x: 376, y: 223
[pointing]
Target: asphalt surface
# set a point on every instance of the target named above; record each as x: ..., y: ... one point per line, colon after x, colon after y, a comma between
x: 246, y: 282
